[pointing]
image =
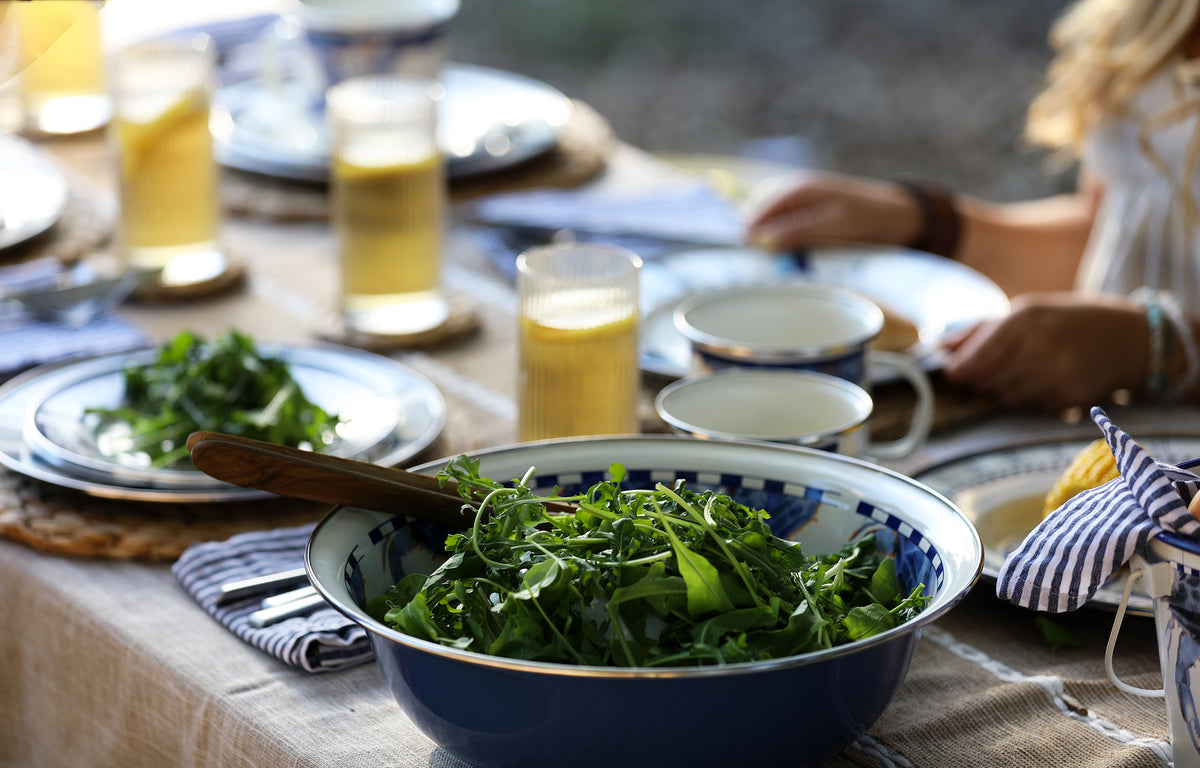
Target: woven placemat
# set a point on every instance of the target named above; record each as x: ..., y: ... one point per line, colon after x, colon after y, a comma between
x: 61, y: 521
x: 462, y: 322
x: 231, y: 278
x: 584, y: 146
x: 582, y: 152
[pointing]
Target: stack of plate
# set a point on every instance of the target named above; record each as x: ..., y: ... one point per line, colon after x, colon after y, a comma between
x: 489, y: 120
x: 388, y: 413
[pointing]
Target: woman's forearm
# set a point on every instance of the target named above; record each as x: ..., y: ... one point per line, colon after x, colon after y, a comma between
x: 1027, y: 246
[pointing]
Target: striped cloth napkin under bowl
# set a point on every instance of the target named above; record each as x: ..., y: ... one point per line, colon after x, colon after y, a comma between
x: 1078, y: 547
x: 321, y: 641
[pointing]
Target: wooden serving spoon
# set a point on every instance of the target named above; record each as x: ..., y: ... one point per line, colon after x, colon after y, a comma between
x: 315, y: 476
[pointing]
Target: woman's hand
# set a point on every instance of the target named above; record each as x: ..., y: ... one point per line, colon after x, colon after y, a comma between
x: 1054, y: 351
x: 826, y: 208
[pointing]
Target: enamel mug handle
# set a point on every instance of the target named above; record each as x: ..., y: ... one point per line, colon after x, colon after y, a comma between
x: 1134, y: 577
x: 922, y: 419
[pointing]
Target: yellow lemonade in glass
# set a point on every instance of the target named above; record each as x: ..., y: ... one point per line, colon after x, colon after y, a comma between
x: 60, y: 67
x: 388, y: 202
x: 578, y: 369
x: 168, y: 179
x: 389, y: 221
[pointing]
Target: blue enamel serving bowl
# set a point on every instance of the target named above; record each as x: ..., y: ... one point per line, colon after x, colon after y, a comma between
x: 793, y: 711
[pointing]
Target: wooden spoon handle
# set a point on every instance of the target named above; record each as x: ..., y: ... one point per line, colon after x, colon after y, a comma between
x: 318, y: 477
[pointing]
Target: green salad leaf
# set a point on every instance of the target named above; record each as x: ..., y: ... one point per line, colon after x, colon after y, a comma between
x: 639, y: 578
x: 1056, y: 635
x: 222, y: 385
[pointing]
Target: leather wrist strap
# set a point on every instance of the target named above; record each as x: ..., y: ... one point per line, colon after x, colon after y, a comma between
x: 940, y: 221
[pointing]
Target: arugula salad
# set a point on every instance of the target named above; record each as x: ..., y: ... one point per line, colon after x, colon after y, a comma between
x: 639, y: 578
x: 224, y: 385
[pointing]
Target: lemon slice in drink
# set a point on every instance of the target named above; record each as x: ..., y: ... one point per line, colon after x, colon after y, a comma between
x: 137, y: 136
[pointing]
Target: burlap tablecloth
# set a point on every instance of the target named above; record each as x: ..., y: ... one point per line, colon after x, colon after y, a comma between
x: 108, y: 662
x: 986, y: 690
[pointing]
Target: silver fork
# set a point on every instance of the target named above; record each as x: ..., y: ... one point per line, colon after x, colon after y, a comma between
x: 266, y: 584
x: 298, y: 602
x: 298, y: 598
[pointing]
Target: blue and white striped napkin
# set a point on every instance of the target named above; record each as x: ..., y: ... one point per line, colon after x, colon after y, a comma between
x: 322, y: 641
x: 28, y: 341
x: 1078, y: 547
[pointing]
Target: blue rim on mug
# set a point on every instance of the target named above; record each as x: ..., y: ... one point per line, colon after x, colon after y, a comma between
x: 781, y: 326
x: 766, y: 405
x: 370, y: 38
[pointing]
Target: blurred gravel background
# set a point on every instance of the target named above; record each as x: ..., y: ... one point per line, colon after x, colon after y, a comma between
x: 931, y: 89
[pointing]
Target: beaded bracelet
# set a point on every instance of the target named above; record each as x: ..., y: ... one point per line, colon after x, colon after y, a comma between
x: 941, y: 223
x: 1156, y: 376
x: 1187, y: 343
x: 1168, y: 327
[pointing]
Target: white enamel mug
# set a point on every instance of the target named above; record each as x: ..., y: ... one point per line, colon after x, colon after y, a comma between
x: 351, y: 38
x: 796, y: 407
x: 800, y: 326
x: 317, y: 44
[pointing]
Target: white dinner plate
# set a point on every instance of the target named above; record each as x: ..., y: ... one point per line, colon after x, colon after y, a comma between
x: 33, y: 193
x: 488, y: 120
x: 937, y: 295
x: 1001, y: 492
x: 393, y: 413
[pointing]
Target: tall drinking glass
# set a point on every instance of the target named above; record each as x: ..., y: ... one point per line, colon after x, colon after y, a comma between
x: 170, y: 213
x: 60, y: 69
x: 578, y: 341
x: 389, y: 197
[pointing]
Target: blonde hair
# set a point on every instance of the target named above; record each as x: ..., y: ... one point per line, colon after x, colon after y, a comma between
x: 1106, y: 51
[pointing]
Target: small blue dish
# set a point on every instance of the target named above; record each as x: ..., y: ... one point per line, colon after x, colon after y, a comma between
x: 796, y: 711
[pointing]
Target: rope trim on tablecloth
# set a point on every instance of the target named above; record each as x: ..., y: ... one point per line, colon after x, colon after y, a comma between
x: 492, y: 293
x: 283, y: 296
x: 1053, y: 687
x: 452, y: 382
x: 868, y: 747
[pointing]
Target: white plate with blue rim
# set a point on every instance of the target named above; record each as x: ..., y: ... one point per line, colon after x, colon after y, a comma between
x: 936, y: 295
x: 1002, y: 490
x: 489, y: 120
x: 391, y: 413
